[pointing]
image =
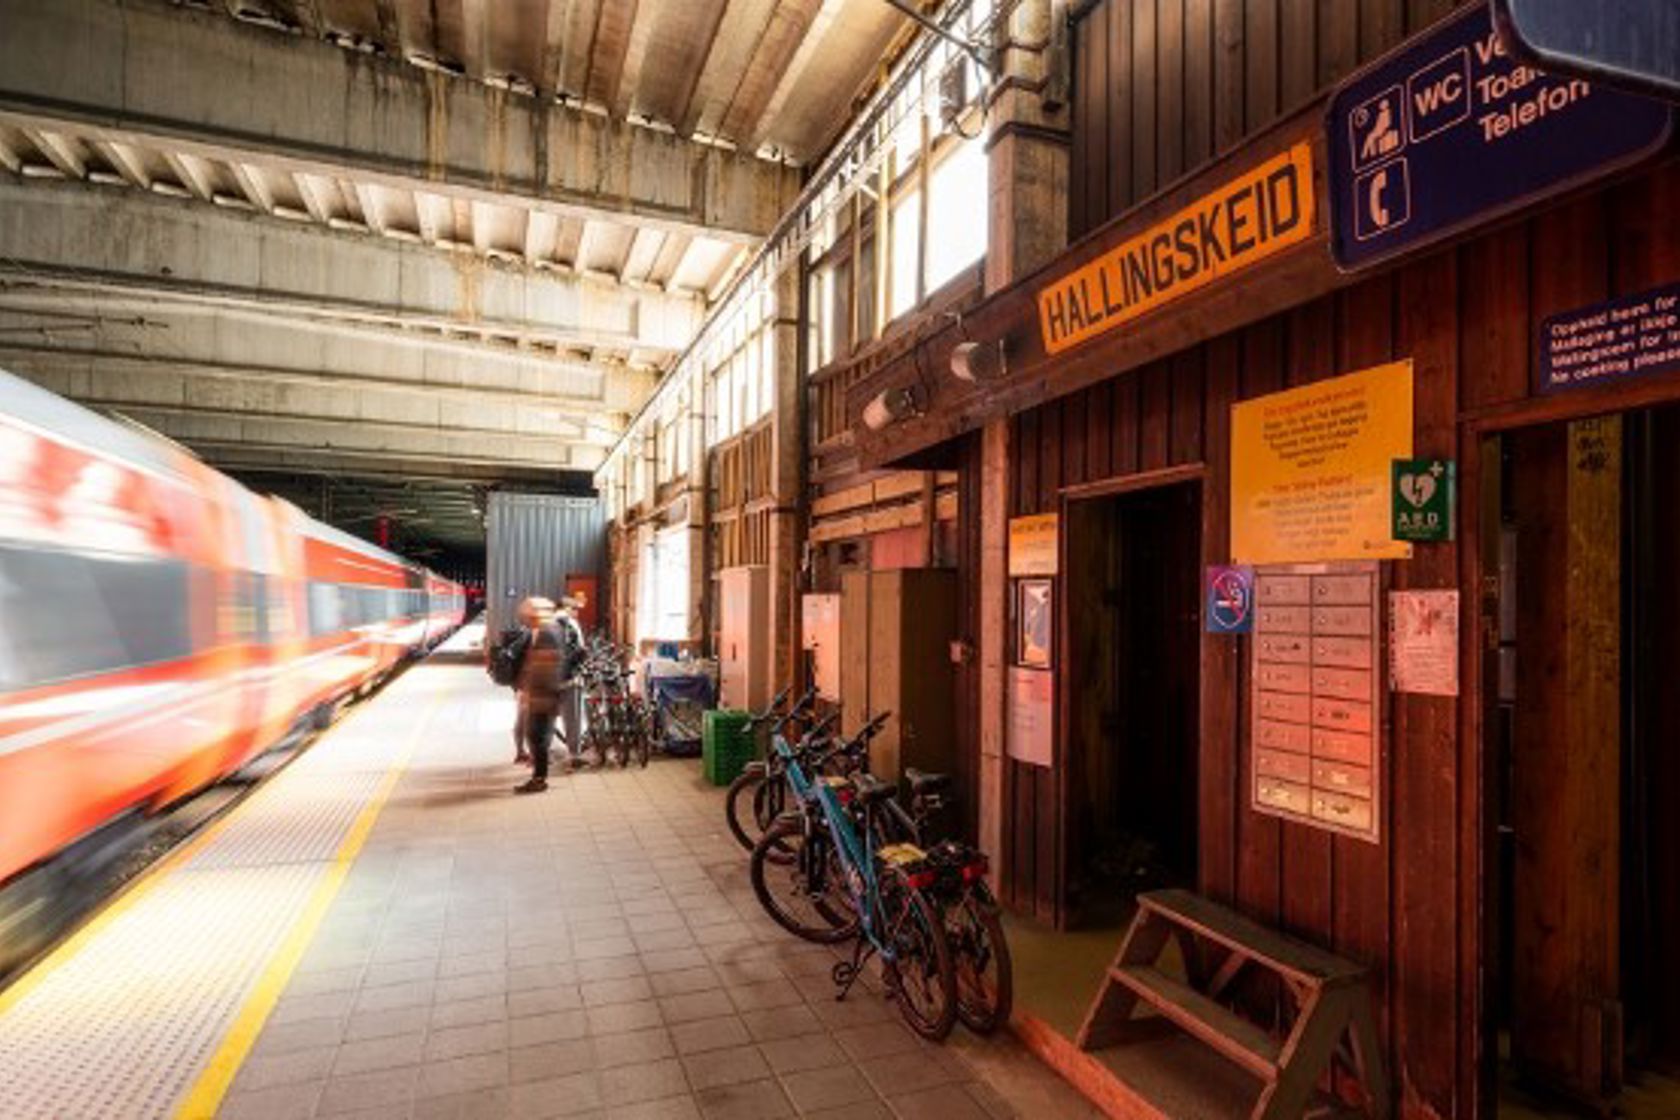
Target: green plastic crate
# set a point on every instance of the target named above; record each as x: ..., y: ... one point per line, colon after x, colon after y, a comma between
x: 726, y: 745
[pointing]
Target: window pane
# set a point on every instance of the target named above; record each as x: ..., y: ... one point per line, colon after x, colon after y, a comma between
x: 906, y: 231
x: 957, y: 213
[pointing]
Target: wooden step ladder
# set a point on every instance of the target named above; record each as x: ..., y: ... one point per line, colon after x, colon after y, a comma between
x: 1333, y: 1020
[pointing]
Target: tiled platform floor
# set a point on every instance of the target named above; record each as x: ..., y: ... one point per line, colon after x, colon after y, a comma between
x: 592, y: 951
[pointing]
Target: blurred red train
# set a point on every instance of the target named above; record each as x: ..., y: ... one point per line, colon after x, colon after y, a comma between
x: 160, y: 625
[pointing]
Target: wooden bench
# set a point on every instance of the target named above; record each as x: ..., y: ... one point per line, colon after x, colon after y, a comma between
x: 1332, y: 1029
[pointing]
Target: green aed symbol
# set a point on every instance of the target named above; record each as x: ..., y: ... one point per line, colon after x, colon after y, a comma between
x: 1425, y: 499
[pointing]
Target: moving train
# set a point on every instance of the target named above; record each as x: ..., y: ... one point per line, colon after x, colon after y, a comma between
x: 161, y: 625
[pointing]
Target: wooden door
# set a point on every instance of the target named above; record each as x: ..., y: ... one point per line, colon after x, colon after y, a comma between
x: 1566, y: 756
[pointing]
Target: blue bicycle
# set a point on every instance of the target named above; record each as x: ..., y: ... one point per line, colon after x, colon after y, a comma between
x: 820, y: 874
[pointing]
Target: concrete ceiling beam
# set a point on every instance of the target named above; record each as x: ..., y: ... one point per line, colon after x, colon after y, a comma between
x: 50, y: 321
x: 113, y: 72
x: 92, y: 239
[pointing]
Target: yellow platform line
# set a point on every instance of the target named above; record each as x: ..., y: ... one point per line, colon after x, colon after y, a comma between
x: 207, y: 1092
x: 126, y: 899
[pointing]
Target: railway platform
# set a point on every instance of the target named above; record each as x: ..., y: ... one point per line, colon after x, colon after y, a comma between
x: 383, y: 930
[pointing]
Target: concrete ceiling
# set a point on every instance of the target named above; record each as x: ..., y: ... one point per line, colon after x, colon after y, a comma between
x: 777, y: 75
x: 449, y: 241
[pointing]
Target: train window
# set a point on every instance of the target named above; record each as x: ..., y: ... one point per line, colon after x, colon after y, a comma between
x: 325, y: 611
x: 73, y: 614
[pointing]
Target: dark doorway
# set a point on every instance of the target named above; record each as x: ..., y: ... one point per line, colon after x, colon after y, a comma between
x: 1131, y: 705
x: 1584, y: 742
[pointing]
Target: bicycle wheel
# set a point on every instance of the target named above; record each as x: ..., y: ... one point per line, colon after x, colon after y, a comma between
x: 921, y: 977
x: 985, y: 976
x: 743, y: 791
x: 805, y: 895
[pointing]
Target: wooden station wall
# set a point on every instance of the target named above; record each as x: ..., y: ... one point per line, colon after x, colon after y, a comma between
x: 1466, y: 316
x: 1161, y: 86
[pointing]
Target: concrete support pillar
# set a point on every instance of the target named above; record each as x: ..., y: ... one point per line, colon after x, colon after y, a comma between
x: 1028, y: 171
x: 787, y: 482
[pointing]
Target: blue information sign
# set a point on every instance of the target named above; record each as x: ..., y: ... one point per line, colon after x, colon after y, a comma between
x: 1450, y: 131
x: 1627, y: 337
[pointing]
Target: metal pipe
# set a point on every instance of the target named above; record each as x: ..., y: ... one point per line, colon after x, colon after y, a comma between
x: 955, y: 40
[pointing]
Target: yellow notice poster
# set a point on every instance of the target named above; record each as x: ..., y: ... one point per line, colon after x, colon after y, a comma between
x: 1311, y: 469
x: 1032, y: 545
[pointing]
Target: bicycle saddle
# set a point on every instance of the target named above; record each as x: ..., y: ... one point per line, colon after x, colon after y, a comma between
x: 923, y: 784
x: 871, y: 789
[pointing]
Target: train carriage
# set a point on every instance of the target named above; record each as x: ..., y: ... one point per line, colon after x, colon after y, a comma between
x: 160, y: 624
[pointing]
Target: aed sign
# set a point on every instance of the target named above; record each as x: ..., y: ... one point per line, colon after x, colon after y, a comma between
x: 1244, y: 221
x: 1450, y: 131
x: 1425, y: 499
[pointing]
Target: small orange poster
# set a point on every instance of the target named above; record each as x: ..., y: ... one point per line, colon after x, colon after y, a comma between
x: 1311, y: 469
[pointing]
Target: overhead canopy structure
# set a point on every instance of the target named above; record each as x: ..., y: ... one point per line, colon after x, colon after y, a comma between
x: 451, y: 241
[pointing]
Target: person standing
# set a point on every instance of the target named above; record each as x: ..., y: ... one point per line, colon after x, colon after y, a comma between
x: 541, y: 676
x: 571, y: 691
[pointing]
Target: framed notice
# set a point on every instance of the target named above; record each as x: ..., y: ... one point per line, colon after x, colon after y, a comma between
x: 1033, y: 545
x: 1034, y: 617
x: 1311, y: 469
x: 1031, y: 716
x: 1315, y: 676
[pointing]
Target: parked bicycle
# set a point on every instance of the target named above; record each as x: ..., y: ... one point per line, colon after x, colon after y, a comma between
x: 820, y: 872
x: 758, y: 794
x: 971, y: 914
x: 618, y: 721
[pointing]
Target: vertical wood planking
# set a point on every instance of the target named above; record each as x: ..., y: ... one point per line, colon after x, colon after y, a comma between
x: 1098, y: 403
x: 1496, y: 342
x: 1297, y: 52
x: 1360, y: 917
x: 1047, y: 809
x: 1421, y: 13
x: 1075, y: 457
x: 1229, y: 74
x: 1221, y: 688
x: 1098, y: 100
x: 1338, y: 40
x: 1169, y: 85
x: 1154, y: 416
x: 1260, y: 40
x: 1198, y: 82
x: 1084, y: 157
x: 1424, y: 743
x: 1126, y: 423
x: 1381, y: 26
x: 1185, y: 373
x: 1145, y: 110
x: 1118, y: 156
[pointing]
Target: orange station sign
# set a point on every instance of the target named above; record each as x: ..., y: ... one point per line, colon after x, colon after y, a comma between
x: 1221, y: 233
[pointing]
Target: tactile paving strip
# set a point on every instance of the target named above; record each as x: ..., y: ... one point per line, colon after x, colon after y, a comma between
x: 124, y: 1025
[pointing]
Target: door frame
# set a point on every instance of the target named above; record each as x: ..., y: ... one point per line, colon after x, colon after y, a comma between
x: 1477, y: 840
x: 1061, y: 758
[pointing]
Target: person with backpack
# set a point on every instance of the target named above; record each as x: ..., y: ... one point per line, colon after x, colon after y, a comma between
x: 504, y: 658
x: 542, y: 676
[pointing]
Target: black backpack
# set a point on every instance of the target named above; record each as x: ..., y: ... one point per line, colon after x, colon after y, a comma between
x: 507, y: 656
